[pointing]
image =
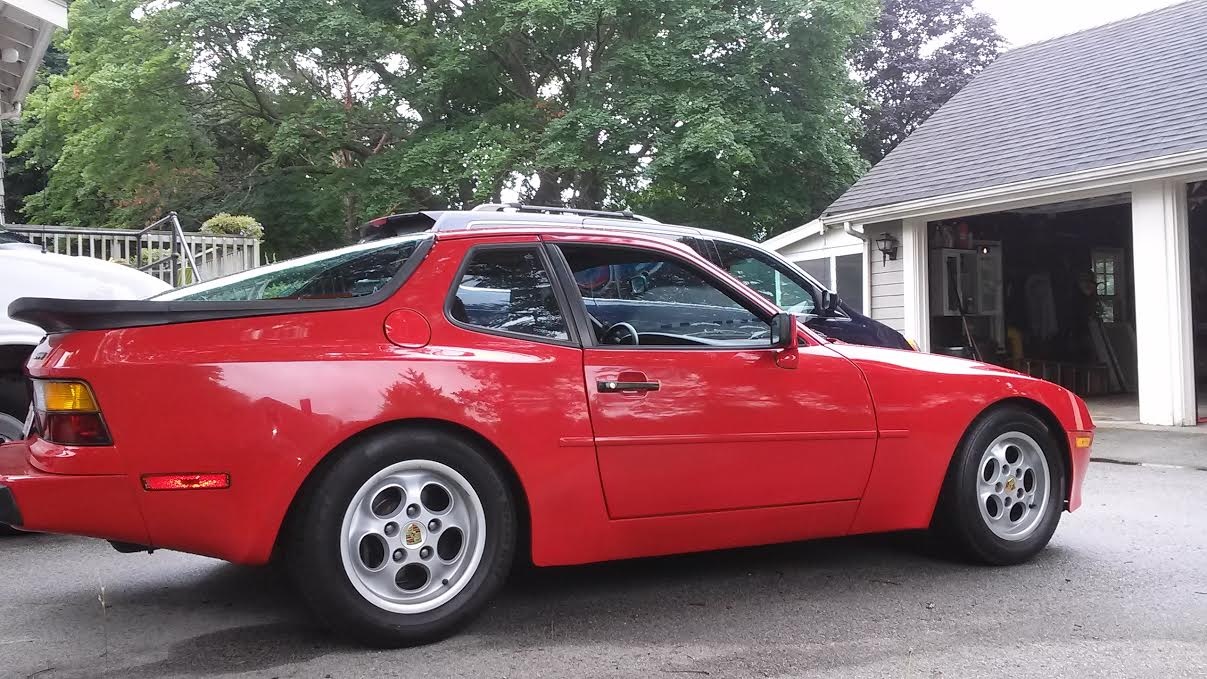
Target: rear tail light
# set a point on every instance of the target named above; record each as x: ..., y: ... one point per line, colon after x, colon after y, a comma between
x: 66, y: 412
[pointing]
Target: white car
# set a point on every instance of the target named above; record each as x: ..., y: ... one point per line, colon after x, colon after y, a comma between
x: 27, y: 271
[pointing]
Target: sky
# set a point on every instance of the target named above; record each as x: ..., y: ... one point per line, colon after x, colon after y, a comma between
x: 1023, y: 22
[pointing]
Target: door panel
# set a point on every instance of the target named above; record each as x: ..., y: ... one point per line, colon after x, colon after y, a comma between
x: 727, y: 429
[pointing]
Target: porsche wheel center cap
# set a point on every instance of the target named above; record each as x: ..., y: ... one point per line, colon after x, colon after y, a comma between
x: 1010, y: 485
x: 412, y: 534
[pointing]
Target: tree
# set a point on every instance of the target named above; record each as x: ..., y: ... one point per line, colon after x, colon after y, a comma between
x: 20, y: 178
x: 312, y: 116
x: 916, y: 57
x: 115, y: 131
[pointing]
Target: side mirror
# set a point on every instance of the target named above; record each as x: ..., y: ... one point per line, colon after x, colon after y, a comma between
x: 784, y: 331
x: 829, y: 302
x: 785, y: 336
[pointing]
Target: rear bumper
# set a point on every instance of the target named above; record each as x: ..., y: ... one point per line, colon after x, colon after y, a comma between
x: 1080, y: 445
x: 101, y: 506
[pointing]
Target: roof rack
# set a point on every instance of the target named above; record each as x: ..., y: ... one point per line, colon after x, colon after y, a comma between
x: 549, y: 209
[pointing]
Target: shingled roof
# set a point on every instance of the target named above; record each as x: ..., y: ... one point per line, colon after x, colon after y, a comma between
x: 1126, y: 91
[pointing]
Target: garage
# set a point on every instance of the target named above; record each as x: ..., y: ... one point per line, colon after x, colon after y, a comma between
x: 1051, y: 217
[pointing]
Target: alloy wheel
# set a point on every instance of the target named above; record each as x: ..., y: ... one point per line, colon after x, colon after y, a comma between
x: 1013, y: 486
x: 413, y: 536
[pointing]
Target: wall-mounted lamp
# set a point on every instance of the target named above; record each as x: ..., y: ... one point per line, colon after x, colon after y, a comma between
x: 887, y: 244
x: 10, y: 55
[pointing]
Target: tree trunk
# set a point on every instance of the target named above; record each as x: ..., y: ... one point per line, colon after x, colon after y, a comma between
x: 550, y: 190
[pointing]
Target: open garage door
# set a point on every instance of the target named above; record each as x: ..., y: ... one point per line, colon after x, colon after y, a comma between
x: 1197, y: 199
x: 1045, y: 290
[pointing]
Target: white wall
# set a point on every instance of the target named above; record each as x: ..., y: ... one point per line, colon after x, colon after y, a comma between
x: 1160, y: 255
x: 888, y: 279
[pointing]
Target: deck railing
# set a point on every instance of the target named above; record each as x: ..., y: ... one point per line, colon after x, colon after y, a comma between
x: 215, y: 255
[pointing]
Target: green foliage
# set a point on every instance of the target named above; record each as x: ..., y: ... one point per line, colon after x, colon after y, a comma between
x: 184, y: 274
x: 116, y: 130
x: 313, y: 116
x: 920, y: 53
x: 225, y: 223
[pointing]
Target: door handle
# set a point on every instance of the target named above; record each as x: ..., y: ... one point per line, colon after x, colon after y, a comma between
x: 616, y: 386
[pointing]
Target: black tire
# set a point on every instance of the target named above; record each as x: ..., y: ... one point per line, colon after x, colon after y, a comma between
x: 313, y: 554
x: 14, y: 403
x: 14, y: 406
x: 958, y: 522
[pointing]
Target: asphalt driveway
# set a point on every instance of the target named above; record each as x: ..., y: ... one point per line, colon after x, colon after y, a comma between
x: 1122, y: 591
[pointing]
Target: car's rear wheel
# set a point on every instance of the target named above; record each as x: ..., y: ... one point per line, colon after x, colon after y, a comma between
x: 14, y: 406
x: 403, y: 537
x: 1004, y: 491
x: 13, y: 401
x: 10, y: 428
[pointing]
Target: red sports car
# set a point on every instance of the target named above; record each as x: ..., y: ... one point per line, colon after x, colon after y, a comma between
x: 400, y: 420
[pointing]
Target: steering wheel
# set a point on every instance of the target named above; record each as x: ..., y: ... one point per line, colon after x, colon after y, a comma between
x: 619, y: 333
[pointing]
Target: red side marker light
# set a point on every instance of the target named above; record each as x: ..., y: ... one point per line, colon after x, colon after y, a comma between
x: 186, y: 481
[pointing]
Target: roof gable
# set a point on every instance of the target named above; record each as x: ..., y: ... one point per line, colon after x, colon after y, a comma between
x: 1126, y: 91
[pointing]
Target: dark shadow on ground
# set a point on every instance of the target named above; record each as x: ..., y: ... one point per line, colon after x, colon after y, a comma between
x: 596, y: 603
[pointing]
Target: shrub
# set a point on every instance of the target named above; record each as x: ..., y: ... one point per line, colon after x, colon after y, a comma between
x: 225, y: 224
x: 148, y: 255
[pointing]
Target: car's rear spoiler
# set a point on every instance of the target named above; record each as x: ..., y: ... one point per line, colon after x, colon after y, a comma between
x: 65, y: 315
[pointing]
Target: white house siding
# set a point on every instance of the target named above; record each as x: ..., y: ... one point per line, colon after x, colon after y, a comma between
x: 887, y: 277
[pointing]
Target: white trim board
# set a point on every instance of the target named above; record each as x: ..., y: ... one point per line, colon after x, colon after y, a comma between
x: 819, y: 253
x: 1091, y: 183
x: 796, y: 235
x: 50, y: 11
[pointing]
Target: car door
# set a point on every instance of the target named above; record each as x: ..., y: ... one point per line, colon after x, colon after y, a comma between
x: 689, y: 409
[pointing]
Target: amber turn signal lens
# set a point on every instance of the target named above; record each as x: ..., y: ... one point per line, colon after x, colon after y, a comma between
x: 1083, y: 441
x: 65, y: 412
x: 64, y: 397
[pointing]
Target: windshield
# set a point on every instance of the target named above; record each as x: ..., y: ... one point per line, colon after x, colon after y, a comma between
x: 353, y: 271
x: 771, y: 279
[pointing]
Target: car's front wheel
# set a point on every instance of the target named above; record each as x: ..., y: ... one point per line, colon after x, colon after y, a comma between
x: 1004, y: 491
x: 404, y: 537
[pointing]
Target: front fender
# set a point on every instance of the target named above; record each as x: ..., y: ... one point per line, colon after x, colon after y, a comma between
x: 924, y: 403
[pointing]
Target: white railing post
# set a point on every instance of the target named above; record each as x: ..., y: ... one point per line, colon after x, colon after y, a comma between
x: 219, y: 254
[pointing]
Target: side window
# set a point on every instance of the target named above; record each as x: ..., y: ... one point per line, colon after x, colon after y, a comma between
x: 507, y: 289
x: 770, y: 278
x: 667, y: 302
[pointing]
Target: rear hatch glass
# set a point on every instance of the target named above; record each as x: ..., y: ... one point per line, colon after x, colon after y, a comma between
x: 350, y: 272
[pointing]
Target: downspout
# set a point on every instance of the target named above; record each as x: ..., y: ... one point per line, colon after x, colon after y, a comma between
x: 847, y: 228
